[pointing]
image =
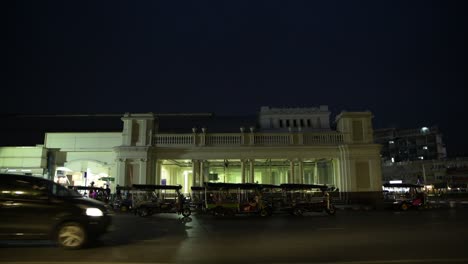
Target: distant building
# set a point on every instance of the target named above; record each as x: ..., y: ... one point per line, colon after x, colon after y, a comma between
x: 410, y: 144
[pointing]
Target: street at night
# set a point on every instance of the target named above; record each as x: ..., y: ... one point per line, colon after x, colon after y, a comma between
x: 429, y: 236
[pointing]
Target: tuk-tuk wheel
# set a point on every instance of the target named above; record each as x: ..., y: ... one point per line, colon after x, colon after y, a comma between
x: 404, y: 206
x: 264, y: 212
x: 298, y: 212
x: 186, y: 212
x: 143, y: 212
x: 331, y: 210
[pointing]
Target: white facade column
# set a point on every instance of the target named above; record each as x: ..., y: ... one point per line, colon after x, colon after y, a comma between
x: 143, y: 171
x: 301, y: 171
x: 196, y: 173
x: 316, y: 176
x: 252, y: 171
x: 202, y: 176
x: 158, y: 172
x: 120, y: 172
x: 243, y: 171
x: 291, y: 172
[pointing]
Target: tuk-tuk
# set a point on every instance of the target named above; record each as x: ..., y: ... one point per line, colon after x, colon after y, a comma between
x: 301, y: 198
x: 197, y: 199
x: 122, y: 199
x: 404, y: 196
x: 151, y: 199
x: 228, y: 199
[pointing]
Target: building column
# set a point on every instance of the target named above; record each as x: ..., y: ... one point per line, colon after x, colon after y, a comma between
x: 202, y: 175
x: 315, y: 176
x: 243, y: 171
x: 142, y: 177
x: 196, y: 173
x: 120, y: 172
x: 291, y: 172
x: 157, y: 172
x: 252, y: 171
x: 301, y: 171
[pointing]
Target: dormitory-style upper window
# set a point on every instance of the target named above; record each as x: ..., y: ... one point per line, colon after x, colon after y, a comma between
x: 281, y: 122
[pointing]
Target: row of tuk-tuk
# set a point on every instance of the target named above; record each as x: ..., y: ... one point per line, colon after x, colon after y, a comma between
x: 225, y: 199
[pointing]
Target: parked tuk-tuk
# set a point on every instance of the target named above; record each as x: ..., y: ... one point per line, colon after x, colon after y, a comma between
x: 122, y: 199
x: 404, y: 196
x: 228, y: 199
x: 197, y: 199
x: 151, y: 199
x: 301, y: 198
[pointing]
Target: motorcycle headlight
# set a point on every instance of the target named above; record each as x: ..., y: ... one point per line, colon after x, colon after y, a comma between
x: 94, y: 212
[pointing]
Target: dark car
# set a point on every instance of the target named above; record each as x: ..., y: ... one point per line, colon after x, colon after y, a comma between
x: 36, y: 208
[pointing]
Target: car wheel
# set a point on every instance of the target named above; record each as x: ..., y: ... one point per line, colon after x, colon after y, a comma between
x: 71, y: 235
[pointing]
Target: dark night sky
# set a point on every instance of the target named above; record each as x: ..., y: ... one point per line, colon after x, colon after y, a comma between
x: 403, y: 60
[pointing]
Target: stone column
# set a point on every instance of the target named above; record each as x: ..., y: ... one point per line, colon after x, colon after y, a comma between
x: 316, y: 177
x: 301, y: 171
x: 120, y: 173
x: 202, y: 176
x: 243, y: 171
x: 291, y: 172
x: 142, y: 177
x: 196, y: 173
x: 158, y: 172
x: 252, y: 171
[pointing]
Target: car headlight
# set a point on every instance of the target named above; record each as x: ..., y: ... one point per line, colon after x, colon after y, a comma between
x: 94, y: 212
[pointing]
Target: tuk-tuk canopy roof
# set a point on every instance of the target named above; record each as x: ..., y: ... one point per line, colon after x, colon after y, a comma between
x: 85, y: 188
x: 298, y: 186
x: 155, y: 187
x: 402, y: 185
x: 197, y: 188
x: 222, y: 185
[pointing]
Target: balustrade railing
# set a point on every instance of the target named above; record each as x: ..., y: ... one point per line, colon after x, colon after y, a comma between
x: 233, y: 139
x: 173, y: 139
x: 223, y: 139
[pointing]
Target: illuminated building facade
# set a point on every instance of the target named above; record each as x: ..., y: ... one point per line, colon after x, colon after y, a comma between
x: 281, y: 145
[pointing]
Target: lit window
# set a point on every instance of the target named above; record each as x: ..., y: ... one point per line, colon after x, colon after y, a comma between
x: 425, y: 147
x: 393, y: 159
x: 391, y: 142
x: 424, y: 130
x: 421, y: 157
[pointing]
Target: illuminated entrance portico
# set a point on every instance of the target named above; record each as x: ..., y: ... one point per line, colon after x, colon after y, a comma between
x: 265, y: 171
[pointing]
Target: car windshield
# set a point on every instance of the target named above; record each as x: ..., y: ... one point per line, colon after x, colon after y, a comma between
x: 61, y: 191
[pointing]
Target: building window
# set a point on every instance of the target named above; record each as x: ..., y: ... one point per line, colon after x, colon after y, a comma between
x: 425, y: 147
x: 281, y: 122
x: 295, y: 123
x: 308, y: 123
x: 302, y: 122
x: 287, y: 123
x: 391, y: 142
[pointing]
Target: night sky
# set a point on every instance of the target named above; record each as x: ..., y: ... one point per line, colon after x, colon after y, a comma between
x: 403, y: 60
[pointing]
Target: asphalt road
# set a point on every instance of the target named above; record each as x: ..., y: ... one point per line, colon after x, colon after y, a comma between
x: 432, y: 236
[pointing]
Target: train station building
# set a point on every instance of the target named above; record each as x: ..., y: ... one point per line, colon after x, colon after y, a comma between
x: 278, y: 145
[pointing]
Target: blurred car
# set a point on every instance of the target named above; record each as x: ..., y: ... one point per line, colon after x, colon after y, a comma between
x: 37, y: 208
